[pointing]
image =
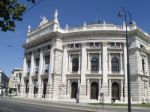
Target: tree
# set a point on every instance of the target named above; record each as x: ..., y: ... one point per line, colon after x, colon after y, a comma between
x: 10, y: 12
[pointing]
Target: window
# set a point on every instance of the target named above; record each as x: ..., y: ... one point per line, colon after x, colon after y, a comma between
x: 48, y: 47
x: 94, y: 64
x: 28, y: 66
x: 91, y: 44
x: 38, y: 50
x: 75, y: 64
x: 112, y: 44
x: 115, y: 64
x: 37, y: 61
x: 47, y: 59
x: 97, y: 44
x: 143, y: 65
x: 36, y: 65
x: 28, y: 63
x: 141, y: 46
x: 77, y: 45
x: 72, y: 45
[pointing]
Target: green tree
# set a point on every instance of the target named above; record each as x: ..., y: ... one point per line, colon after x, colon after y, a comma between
x: 10, y: 12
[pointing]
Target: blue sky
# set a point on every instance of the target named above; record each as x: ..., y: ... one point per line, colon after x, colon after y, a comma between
x: 71, y: 12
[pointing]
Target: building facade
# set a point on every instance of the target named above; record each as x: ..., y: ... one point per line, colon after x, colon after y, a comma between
x: 3, y: 82
x: 86, y: 63
x: 15, y: 81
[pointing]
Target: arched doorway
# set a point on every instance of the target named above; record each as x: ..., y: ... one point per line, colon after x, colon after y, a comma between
x: 44, y: 87
x: 115, y: 91
x: 74, y: 89
x: 94, y: 90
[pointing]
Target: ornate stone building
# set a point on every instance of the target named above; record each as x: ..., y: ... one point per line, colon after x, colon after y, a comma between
x: 15, y: 81
x: 3, y: 82
x: 62, y: 64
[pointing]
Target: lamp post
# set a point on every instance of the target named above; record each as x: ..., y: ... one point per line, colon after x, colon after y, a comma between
x: 124, y: 13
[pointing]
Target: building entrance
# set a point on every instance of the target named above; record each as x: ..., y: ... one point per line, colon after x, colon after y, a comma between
x: 94, y: 90
x: 74, y: 90
x: 115, y: 91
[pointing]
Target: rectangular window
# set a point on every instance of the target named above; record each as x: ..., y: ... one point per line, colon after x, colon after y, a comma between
x: 77, y: 45
x: 72, y: 45
x: 97, y: 44
x: 91, y: 44
x: 47, y: 59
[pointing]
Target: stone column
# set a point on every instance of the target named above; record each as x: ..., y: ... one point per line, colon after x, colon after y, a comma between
x: 41, y: 64
x: 88, y: 88
x: 100, y: 71
x: 105, y: 72
x: 109, y: 62
x: 65, y: 65
x: 89, y: 63
x: 69, y: 64
x: 49, y: 88
x: 83, y: 72
x: 79, y: 69
x: 110, y: 85
x: 121, y: 90
x: 125, y: 72
x: 99, y: 95
x: 30, y: 76
x: 121, y: 64
x: 22, y: 94
x: 68, y: 87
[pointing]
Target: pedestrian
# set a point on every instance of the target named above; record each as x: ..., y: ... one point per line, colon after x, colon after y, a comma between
x: 2, y: 95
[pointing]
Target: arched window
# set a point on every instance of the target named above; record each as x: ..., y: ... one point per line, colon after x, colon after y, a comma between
x: 75, y: 64
x: 94, y: 64
x: 115, y: 65
x: 143, y: 65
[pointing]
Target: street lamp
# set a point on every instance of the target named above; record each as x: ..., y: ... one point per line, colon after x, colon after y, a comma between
x: 124, y: 13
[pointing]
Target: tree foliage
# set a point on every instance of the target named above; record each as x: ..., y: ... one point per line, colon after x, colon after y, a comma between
x: 10, y: 12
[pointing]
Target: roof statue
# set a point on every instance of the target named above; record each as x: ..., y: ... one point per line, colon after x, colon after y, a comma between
x: 84, y: 24
x: 55, y: 20
x: 104, y: 22
x: 66, y: 27
x: 29, y: 29
x: 44, y: 21
x: 56, y: 14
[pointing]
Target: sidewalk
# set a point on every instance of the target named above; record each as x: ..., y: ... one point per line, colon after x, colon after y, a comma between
x: 70, y: 105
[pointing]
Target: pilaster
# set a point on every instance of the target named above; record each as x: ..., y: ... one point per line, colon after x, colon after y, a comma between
x: 105, y: 72
x: 83, y: 72
x: 121, y: 91
x: 110, y: 85
x: 22, y: 92
x: 109, y: 62
x: 41, y: 64
x: 99, y: 95
x: 49, y: 88
x: 125, y: 73
x: 100, y: 70
x: 64, y: 72
x: 121, y: 64
x: 30, y: 77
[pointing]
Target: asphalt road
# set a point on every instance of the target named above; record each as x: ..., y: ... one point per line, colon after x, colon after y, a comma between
x: 7, y: 105
x: 10, y: 106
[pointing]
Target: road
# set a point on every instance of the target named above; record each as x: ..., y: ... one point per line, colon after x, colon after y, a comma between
x: 10, y: 106
x: 7, y: 105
